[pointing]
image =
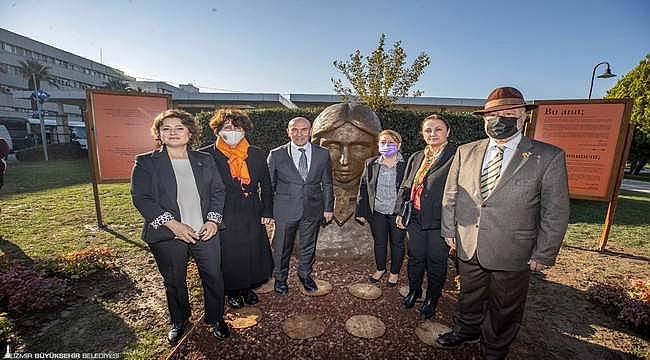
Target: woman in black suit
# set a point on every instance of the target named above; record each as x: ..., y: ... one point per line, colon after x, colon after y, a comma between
x: 423, y: 188
x: 247, y: 261
x: 378, y: 188
x: 180, y: 194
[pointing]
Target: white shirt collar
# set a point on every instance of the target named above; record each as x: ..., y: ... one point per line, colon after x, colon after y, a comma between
x: 295, y: 147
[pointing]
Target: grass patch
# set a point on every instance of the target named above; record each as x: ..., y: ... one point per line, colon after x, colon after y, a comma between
x: 630, y: 230
x: 642, y: 177
x: 24, y: 177
x: 50, y: 210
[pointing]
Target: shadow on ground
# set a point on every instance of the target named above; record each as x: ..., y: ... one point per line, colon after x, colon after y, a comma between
x: 83, y: 324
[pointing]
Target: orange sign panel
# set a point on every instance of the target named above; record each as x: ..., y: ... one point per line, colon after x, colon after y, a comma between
x: 121, y: 130
x: 590, y: 135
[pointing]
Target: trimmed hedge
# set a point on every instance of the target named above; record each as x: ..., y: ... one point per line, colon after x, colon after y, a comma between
x: 270, y: 126
x: 465, y: 127
x: 70, y: 151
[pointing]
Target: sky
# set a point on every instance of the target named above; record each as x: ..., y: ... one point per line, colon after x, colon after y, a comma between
x: 547, y: 49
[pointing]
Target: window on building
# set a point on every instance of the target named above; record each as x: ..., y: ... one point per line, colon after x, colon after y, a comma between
x: 10, y: 48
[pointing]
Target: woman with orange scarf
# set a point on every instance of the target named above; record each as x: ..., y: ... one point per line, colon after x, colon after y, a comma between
x: 423, y: 187
x: 246, y: 261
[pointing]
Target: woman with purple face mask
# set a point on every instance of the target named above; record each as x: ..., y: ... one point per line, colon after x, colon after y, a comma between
x: 381, y: 178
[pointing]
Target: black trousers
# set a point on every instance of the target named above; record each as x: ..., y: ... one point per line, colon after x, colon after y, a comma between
x: 427, y: 252
x: 383, y: 231
x: 491, y: 303
x: 283, y: 238
x: 171, y: 257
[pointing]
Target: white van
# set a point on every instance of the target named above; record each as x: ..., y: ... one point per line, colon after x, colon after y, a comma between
x: 78, y: 133
x: 4, y: 133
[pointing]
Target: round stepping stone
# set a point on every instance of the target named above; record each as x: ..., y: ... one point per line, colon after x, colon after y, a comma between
x: 302, y: 327
x: 404, y: 290
x: 429, y: 331
x: 243, y: 318
x: 266, y: 288
x: 365, y: 326
x: 324, y: 288
x: 365, y: 291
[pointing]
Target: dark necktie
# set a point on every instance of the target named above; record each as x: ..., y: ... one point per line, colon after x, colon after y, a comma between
x: 302, y: 164
x: 491, y: 173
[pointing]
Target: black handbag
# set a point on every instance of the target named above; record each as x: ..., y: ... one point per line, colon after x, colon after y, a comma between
x: 405, y: 212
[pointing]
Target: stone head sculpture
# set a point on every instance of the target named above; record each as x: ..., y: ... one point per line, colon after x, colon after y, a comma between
x: 349, y: 131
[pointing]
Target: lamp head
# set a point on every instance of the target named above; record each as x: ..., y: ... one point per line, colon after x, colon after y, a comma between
x: 606, y: 74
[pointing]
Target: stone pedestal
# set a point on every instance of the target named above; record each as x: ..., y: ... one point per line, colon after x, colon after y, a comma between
x: 350, y: 241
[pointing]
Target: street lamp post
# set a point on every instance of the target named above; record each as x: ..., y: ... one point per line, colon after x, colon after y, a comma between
x: 40, y: 116
x: 605, y: 75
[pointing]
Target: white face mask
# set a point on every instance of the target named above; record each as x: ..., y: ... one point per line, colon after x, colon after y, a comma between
x: 232, y: 138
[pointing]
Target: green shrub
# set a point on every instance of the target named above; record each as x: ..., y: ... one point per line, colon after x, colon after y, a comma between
x: 80, y: 263
x: 25, y: 290
x: 465, y: 127
x: 70, y: 151
x: 270, y: 126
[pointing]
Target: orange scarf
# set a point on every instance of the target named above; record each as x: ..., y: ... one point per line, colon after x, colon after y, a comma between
x: 430, y: 157
x: 236, y: 159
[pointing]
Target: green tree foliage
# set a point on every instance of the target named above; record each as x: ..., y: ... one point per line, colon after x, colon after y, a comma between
x: 115, y: 84
x: 636, y: 85
x: 380, y: 78
x: 33, y: 70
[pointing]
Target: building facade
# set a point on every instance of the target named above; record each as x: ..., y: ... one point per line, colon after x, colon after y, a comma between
x: 70, y: 75
x: 67, y: 72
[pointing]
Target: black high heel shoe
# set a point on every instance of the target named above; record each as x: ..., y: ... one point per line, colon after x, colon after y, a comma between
x: 411, y: 298
x: 251, y: 298
x: 235, y: 302
x: 428, y: 309
x: 374, y: 280
x: 390, y: 283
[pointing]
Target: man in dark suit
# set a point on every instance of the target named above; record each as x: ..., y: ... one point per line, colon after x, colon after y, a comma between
x: 505, y: 211
x: 301, y: 175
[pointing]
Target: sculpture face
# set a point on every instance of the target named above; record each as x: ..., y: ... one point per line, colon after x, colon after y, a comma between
x: 349, y: 148
x: 349, y: 132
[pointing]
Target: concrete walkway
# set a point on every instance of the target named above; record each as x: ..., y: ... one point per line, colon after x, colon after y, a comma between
x: 636, y: 185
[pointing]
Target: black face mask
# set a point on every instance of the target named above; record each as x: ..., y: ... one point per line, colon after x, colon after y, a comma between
x: 501, y: 127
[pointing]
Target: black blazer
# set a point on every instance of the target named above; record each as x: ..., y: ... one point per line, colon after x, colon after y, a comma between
x: 368, y: 186
x: 260, y: 184
x: 434, y: 186
x: 153, y: 190
x: 295, y: 198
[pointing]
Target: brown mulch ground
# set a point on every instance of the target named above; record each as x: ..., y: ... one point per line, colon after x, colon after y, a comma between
x: 559, y: 322
x: 105, y: 312
x: 267, y: 341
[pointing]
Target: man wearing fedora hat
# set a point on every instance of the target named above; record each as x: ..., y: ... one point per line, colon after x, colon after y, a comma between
x: 505, y: 213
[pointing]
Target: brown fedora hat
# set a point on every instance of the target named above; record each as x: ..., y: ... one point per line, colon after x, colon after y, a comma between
x: 504, y: 98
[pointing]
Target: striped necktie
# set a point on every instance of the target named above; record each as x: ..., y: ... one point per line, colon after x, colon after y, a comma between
x: 491, y: 173
x: 302, y: 163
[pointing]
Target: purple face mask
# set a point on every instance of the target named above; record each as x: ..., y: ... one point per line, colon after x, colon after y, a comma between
x: 388, y: 149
